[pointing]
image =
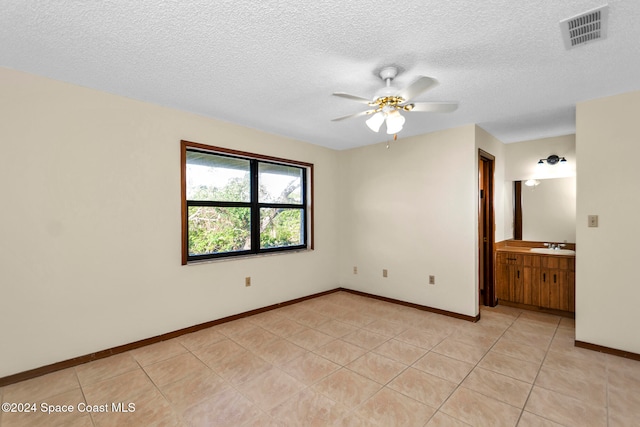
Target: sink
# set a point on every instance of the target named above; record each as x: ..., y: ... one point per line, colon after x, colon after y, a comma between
x: 553, y: 251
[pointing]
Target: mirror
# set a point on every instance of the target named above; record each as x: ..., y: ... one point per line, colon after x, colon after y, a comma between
x: 545, y: 212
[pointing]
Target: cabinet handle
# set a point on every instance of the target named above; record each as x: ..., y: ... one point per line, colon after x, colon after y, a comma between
x: 554, y: 278
x: 518, y: 274
x: 544, y: 277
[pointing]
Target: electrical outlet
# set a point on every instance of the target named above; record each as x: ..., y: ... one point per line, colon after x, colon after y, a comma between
x: 385, y: 273
x: 355, y: 270
x: 432, y: 280
x: 247, y: 281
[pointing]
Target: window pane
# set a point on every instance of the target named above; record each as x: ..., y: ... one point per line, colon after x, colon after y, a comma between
x: 214, y: 230
x: 217, y: 178
x: 279, y: 183
x: 281, y: 227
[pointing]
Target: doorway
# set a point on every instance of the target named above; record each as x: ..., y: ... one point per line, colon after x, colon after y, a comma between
x: 486, y: 230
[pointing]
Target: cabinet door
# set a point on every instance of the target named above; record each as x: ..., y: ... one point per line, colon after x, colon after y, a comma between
x: 545, y: 288
x: 521, y: 279
x: 528, y: 286
x: 558, y: 289
x: 502, y: 277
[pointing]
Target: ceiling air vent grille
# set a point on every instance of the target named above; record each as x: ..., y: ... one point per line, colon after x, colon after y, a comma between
x: 586, y: 27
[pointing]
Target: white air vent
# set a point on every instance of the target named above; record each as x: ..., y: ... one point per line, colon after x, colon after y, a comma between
x: 586, y: 27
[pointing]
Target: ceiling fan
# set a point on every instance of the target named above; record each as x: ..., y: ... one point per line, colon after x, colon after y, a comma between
x: 389, y: 101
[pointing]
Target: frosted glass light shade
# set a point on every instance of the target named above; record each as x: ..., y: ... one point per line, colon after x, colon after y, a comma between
x: 375, y: 121
x: 395, y: 121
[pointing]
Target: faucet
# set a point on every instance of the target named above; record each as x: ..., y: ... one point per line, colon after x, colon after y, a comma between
x: 555, y: 246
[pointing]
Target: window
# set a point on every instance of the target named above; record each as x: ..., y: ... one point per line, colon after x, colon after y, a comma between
x: 237, y: 203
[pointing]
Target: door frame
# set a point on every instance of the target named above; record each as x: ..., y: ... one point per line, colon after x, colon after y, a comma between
x: 486, y: 229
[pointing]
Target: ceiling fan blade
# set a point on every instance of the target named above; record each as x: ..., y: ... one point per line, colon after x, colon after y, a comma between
x: 362, y: 113
x: 353, y: 97
x: 418, y: 86
x: 433, y: 107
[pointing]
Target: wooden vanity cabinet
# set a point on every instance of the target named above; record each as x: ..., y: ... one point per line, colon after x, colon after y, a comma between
x: 540, y: 281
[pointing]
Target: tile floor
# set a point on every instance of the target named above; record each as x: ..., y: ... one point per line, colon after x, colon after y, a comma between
x: 347, y: 360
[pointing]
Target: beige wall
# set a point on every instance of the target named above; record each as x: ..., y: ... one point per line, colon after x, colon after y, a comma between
x: 607, y: 284
x: 412, y: 209
x: 90, y: 224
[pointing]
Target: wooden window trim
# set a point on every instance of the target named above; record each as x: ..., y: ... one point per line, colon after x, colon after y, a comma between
x: 185, y: 145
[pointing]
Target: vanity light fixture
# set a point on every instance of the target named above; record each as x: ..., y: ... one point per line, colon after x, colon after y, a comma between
x: 532, y: 183
x: 552, y: 160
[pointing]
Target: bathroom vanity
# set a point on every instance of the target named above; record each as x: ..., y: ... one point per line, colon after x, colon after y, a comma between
x: 530, y: 275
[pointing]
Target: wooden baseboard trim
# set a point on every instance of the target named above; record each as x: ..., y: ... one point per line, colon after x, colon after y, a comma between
x: 417, y: 306
x: 535, y: 308
x: 69, y: 363
x: 608, y: 350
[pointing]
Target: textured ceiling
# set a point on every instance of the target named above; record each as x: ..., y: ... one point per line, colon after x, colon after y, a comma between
x: 272, y: 65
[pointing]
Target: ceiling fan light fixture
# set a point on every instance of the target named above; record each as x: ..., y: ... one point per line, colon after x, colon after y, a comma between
x: 395, y: 121
x: 375, y: 121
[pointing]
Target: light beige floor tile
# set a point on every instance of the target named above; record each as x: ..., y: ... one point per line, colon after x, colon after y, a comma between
x: 108, y: 367
x: 510, y: 366
x: 235, y: 327
x: 355, y: 317
x: 479, y: 410
x: 254, y: 337
x: 498, y: 386
x: 310, y: 319
x: 460, y: 351
x: 228, y: 408
x: 264, y: 420
x: 519, y: 351
x: 565, y: 410
x: 265, y: 318
x: 122, y: 388
x: 444, y: 367
x: 41, y: 387
x: 201, y: 338
x: 376, y: 367
x: 628, y: 367
x: 340, y: 352
x: 285, y: 327
x: 310, y: 339
x: 152, y: 409
x: 270, y: 388
x: 309, y: 408
x: 177, y: 368
x: 475, y: 336
x: 527, y: 419
x: 400, y: 351
x: 541, y: 318
x: 49, y: 411
x: 279, y: 351
x: 419, y: 338
x: 385, y: 328
x: 423, y: 387
x: 388, y: 408
x: 365, y: 339
x: 440, y: 419
x: 575, y: 365
x: 540, y: 341
x: 336, y: 329
x: 347, y: 388
x: 158, y: 352
x: 586, y: 388
x: 214, y: 354
x: 310, y: 368
x: 191, y: 391
x: 241, y: 368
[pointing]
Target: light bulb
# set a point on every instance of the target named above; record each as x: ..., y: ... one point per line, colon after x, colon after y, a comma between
x: 394, y: 122
x: 375, y: 121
